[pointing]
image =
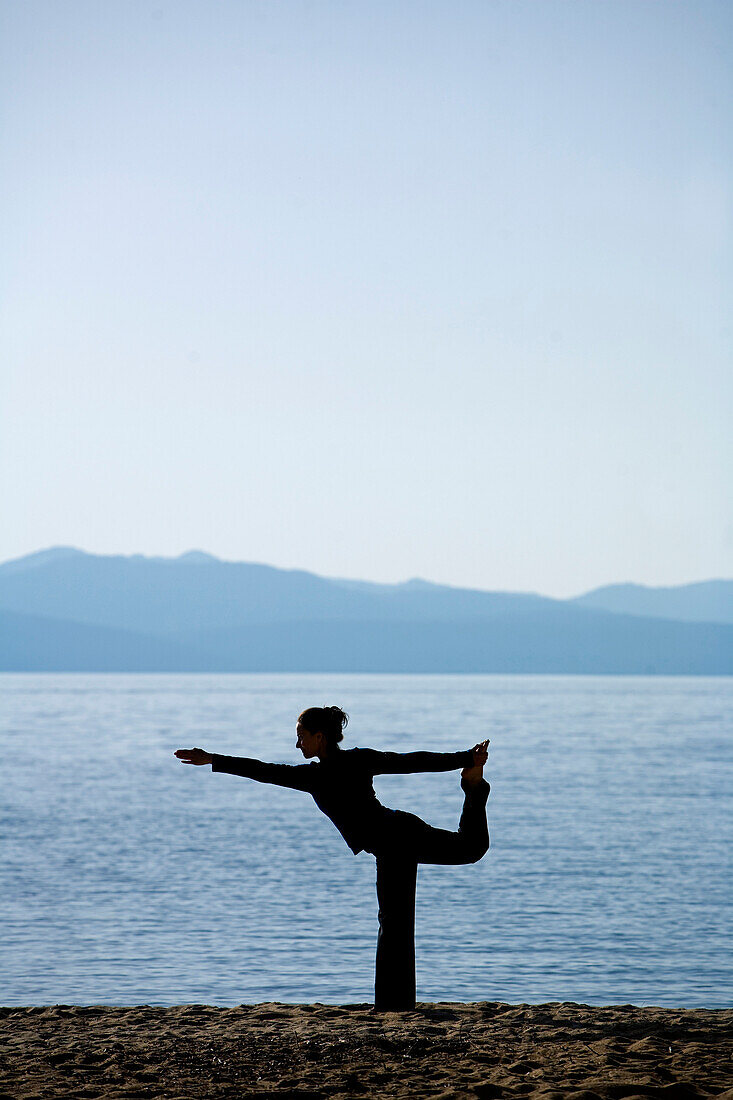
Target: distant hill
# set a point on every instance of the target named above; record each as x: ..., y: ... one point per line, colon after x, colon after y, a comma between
x: 555, y: 640
x: 170, y: 595
x: 32, y: 643
x: 704, y: 602
x: 63, y: 610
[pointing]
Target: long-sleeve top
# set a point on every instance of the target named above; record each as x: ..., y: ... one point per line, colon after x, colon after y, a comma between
x: 341, y: 785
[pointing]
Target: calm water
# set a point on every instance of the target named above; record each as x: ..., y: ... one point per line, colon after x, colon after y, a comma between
x: 128, y: 877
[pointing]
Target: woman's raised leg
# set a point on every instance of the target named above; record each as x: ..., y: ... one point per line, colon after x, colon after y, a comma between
x: 469, y: 843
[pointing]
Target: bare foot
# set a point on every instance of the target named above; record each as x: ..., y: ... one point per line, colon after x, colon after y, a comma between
x: 475, y: 773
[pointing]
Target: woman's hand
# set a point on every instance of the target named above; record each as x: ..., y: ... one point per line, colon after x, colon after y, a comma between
x: 194, y: 756
x: 480, y: 754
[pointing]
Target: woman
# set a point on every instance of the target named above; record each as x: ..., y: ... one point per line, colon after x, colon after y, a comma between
x: 341, y: 785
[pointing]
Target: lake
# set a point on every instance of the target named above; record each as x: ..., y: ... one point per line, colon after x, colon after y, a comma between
x: 128, y: 877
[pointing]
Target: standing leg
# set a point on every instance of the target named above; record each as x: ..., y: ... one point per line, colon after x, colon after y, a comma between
x: 394, y: 984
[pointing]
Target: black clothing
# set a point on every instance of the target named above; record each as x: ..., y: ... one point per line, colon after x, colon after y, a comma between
x: 394, y: 982
x: 341, y: 785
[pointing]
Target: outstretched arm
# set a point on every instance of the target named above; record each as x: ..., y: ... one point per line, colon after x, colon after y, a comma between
x: 296, y: 776
x: 402, y: 763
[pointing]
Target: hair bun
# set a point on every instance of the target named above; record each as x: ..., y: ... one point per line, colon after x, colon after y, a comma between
x: 330, y: 719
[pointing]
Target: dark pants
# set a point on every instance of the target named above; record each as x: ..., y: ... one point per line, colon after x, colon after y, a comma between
x: 407, y: 843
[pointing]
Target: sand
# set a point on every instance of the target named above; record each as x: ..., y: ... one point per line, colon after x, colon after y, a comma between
x: 481, y: 1050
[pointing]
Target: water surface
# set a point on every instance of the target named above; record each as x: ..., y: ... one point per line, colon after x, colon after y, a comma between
x: 131, y: 878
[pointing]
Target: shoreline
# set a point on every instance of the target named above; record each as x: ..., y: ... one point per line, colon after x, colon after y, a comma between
x: 308, y: 1052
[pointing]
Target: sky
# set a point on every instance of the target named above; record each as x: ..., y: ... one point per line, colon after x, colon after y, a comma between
x: 377, y: 290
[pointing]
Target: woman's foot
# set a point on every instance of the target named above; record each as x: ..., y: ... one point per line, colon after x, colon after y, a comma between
x: 474, y: 775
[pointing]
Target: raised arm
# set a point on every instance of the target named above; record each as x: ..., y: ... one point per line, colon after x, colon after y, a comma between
x: 297, y: 776
x: 402, y: 763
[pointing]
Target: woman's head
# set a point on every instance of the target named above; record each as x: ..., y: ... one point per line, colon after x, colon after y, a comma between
x: 320, y: 729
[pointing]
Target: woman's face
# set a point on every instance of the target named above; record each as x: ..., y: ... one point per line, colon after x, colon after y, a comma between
x: 310, y: 744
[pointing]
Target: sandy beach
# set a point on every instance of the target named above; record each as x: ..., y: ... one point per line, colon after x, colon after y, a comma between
x: 482, y: 1050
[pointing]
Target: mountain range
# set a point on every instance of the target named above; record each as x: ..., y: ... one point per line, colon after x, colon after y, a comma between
x: 66, y: 610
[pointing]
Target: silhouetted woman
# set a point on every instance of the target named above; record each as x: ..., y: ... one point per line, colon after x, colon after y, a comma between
x: 341, y: 785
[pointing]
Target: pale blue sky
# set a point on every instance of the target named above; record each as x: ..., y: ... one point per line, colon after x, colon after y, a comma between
x: 372, y: 289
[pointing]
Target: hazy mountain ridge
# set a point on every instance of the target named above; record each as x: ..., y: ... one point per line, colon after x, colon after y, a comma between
x: 63, y: 609
x: 34, y: 643
x: 165, y: 596
x: 704, y: 601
